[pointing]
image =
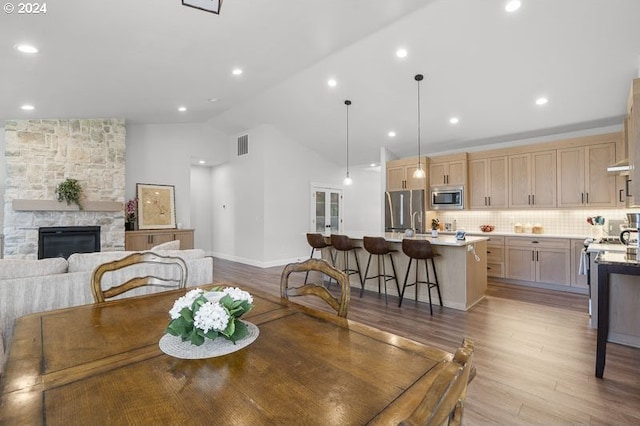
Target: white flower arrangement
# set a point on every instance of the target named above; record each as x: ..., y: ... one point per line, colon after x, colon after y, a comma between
x: 197, y: 315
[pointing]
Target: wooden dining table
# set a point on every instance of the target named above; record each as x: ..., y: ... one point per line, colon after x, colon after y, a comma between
x: 101, y: 364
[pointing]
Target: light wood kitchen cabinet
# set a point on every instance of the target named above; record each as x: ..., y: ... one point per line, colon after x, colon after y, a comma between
x: 495, y: 257
x: 541, y: 260
x: 400, y: 174
x: 144, y: 240
x: 633, y: 142
x: 488, y: 183
x: 532, y: 180
x: 583, y: 180
x: 448, y: 170
x: 577, y: 280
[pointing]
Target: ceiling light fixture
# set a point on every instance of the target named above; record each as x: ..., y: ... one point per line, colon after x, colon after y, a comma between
x: 419, y: 173
x: 392, y: 134
x: 347, y: 180
x: 332, y: 82
x: 212, y: 6
x: 512, y: 6
x: 541, y: 101
x: 26, y: 48
x: 27, y: 107
x: 182, y: 109
x: 236, y: 71
x: 401, y: 53
x: 454, y: 120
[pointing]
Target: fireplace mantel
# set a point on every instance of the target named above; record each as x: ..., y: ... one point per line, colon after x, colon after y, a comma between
x: 53, y: 205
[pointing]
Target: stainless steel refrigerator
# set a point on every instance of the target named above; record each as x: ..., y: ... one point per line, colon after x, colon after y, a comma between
x: 404, y: 210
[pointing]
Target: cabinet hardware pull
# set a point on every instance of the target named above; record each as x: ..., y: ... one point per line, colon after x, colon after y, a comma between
x: 489, y: 198
x: 620, y: 195
x: 529, y: 202
x: 488, y: 252
x: 587, y: 198
x: 533, y: 199
x: 582, y: 198
x: 533, y: 256
x: 627, y: 188
x: 537, y: 256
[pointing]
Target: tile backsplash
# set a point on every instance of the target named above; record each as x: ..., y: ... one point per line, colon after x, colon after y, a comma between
x: 556, y: 222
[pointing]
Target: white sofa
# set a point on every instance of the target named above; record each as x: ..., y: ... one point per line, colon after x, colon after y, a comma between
x: 30, y: 286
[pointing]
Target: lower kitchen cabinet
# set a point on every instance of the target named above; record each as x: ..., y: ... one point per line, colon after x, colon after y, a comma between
x: 144, y: 240
x: 495, y: 257
x: 542, y: 260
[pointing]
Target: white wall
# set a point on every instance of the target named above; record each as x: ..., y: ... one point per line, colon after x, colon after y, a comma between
x: 2, y: 175
x: 162, y: 154
x: 266, y: 199
x: 202, y: 207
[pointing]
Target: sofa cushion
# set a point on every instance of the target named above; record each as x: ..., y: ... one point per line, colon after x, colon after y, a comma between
x: 24, y: 268
x: 169, y: 245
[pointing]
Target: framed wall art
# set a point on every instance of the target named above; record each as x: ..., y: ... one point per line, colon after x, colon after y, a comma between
x: 156, y: 206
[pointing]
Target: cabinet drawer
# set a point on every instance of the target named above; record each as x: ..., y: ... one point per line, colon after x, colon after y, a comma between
x: 544, y: 243
x: 495, y: 241
x: 495, y: 269
x: 495, y: 253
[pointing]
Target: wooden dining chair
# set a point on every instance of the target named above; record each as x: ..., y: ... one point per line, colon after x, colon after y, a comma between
x: 444, y: 402
x: 340, y: 305
x: 138, y: 270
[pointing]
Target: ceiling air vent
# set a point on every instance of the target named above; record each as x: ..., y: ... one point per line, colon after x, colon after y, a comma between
x: 243, y: 145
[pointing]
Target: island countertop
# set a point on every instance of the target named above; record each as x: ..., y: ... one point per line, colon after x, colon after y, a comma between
x: 397, y: 237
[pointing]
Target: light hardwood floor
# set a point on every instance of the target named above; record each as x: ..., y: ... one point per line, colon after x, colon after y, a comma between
x: 535, y: 351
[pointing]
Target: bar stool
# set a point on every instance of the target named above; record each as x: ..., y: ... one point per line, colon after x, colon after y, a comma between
x: 420, y: 250
x: 377, y: 246
x: 318, y: 242
x: 343, y: 243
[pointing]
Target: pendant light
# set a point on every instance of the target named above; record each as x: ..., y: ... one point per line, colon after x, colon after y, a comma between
x: 347, y: 180
x: 419, y: 173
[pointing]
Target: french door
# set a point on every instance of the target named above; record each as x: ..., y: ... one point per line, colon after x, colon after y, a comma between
x: 326, y: 209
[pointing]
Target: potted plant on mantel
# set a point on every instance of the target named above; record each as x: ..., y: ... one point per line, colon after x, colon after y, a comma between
x: 70, y: 191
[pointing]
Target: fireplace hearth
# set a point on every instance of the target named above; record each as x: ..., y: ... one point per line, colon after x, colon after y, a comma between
x: 63, y: 241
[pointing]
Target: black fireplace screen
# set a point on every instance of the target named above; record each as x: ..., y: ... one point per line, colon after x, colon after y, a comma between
x: 63, y: 241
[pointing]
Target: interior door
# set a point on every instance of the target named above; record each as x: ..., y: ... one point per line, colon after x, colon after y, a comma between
x: 326, y: 210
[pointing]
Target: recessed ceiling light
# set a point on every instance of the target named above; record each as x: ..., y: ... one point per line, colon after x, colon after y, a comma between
x: 182, y: 109
x: 541, y: 101
x: 401, y: 53
x: 213, y: 99
x: 512, y: 5
x: 454, y: 120
x: 26, y: 48
x: 27, y: 107
x: 392, y: 134
x: 236, y: 71
x: 332, y: 82
x: 372, y: 165
x: 201, y: 161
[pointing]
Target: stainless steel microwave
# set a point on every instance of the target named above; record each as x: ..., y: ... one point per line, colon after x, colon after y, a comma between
x: 447, y: 198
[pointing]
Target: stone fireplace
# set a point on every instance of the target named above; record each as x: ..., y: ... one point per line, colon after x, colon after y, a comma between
x: 40, y: 154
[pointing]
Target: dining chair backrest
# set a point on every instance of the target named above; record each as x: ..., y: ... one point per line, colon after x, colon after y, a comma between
x: 417, y: 249
x: 444, y: 402
x: 317, y: 241
x: 341, y: 305
x: 138, y: 270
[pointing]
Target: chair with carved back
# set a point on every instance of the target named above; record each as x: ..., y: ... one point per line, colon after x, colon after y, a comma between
x: 139, y: 270
x: 341, y: 305
x: 444, y: 402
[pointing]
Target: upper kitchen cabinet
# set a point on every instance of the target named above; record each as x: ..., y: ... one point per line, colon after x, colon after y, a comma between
x: 532, y: 180
x: 400, y: 174
x: 448, y: 170
x: 633, y: 142
x: 583, y: 180
x: 488, y: 183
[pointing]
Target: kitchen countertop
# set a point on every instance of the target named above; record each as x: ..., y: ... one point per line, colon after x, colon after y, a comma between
x: 518, y: 234
x: 440, y: 240
x: 618, y: 258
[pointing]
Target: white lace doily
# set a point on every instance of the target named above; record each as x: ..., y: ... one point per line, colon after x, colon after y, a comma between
x: 174, y: 346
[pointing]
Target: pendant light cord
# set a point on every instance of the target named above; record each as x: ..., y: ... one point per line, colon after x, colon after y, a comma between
x: 418, y: 78
x: 347, y: 103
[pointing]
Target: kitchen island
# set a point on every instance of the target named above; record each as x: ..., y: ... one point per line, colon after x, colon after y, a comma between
x: 461, y: 268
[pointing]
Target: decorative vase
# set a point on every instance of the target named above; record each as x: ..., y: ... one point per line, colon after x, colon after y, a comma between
x: 434, y: 233
x: 129, y: 226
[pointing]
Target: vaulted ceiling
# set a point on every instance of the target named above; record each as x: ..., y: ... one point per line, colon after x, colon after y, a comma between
x: 140, y: 60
